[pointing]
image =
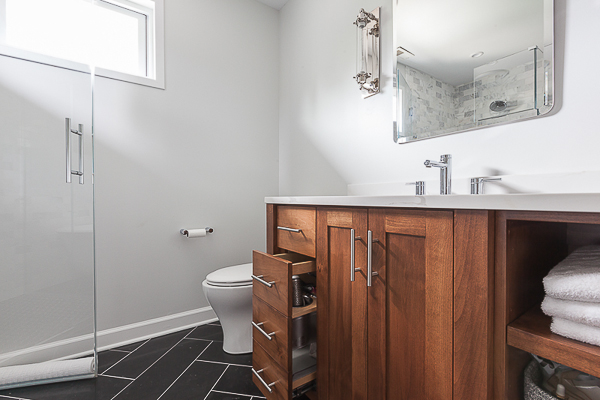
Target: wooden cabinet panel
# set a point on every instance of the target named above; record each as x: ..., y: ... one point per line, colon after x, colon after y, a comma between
x: 342, y: 359
x: 410, y: 305
x: 473, y: 304
x: 299, y: 218
x: 271, y: 321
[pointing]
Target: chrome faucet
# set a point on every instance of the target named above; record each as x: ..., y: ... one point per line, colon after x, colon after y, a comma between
x: 445, y: 166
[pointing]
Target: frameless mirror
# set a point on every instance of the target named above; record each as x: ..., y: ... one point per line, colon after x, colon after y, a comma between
x: 466, y: 64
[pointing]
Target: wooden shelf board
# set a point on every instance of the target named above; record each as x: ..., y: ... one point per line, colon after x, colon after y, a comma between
x: 312, y: 395
x: 531, y: 333
x: 300, y: 311
x: 304, y: 380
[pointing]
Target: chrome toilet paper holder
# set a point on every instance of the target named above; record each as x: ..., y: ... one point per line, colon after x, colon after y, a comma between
x: 185, y: 232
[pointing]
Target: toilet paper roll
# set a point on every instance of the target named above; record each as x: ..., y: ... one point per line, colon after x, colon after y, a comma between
x: 194, y: 233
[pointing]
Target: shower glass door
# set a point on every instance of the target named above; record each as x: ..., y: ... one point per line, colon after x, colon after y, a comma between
x: 47, y: 293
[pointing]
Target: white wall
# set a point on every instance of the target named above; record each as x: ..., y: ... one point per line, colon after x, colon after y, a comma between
x: 331, y: 138
x: 201, y: 153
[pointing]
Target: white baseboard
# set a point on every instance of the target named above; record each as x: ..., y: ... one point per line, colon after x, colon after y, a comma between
x: 127, y: 334
x: 109, y: 338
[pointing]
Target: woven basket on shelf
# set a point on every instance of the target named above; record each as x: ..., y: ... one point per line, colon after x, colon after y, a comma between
x: 533, y: 381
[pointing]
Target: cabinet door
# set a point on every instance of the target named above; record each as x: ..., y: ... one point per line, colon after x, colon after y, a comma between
x: 342, y: 314
x: 410, y: 305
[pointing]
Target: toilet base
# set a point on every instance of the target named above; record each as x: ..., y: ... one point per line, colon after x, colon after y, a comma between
x: 233, y: 306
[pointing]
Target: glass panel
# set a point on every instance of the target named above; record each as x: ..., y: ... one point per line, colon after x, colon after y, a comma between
x: 96, y: 33
x: 46, y: 225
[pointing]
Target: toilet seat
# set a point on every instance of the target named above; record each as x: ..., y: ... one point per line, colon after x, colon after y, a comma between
x: 238, y: 275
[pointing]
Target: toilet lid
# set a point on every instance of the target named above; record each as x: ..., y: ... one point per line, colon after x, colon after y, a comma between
x: 238, y: 275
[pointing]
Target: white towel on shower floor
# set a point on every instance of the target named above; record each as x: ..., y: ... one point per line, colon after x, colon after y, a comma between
x: 577, y: 277
x: 576, y: 331
x: 576, y: 311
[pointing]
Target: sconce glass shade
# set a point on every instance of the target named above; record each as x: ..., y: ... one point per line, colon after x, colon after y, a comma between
x: 367, y: 52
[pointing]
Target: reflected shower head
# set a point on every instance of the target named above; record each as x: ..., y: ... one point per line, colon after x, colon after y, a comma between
x: 498, y: 105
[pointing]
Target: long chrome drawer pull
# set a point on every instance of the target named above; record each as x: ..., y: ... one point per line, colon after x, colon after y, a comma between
x: 283, y: 228
x: 266, y: 385
x: 261, y: 330
x: 258, y: 278
x: 369, y: 257
x: 353, y: 268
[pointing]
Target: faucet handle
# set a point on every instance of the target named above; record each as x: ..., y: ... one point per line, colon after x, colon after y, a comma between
x: 419, y: 187
x: 477, y: 184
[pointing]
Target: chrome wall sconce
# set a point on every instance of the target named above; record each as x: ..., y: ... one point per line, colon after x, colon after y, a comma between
x: 367, y: 52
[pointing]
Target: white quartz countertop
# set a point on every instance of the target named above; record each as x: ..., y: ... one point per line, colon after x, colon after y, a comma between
x: 569, y: 202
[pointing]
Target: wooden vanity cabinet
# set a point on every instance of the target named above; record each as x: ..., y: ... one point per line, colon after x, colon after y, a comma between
x: 423, y: 329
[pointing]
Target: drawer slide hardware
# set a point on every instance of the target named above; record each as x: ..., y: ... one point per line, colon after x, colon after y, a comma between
x: 259, y: 279
x: 265, y: 384
x: 261, y: 330
x: 283, y: 228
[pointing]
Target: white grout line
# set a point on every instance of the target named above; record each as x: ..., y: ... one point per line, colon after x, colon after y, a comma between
x: 10, y: 397
x: 192, y: 363
x: 206, y: 340
x: 164, y: 354
x: 225, y: 370
x: 129, y: 384
x: 235, y: 394
x: 117, y: 377
x: 120, y: 351
x: 224, y: 363
x: 125, y: 356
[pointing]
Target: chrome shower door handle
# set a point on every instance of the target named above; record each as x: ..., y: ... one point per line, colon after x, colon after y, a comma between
x: 80, y: 172
x: 353, y: 268
x: 68, y: 132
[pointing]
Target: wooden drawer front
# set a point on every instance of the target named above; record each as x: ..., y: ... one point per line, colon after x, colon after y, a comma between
x: 271, y: 322
x: 270, y: 373
x: 303, y: 219
x: 273, y: 277
x: 277, y: 273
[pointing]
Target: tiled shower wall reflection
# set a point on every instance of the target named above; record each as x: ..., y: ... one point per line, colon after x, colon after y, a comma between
x: 438, y: 107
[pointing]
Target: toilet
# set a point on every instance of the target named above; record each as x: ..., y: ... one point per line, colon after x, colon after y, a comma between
x: 229, y: 292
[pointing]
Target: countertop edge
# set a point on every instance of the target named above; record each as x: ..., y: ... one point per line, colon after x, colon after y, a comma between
x: 560, y: 202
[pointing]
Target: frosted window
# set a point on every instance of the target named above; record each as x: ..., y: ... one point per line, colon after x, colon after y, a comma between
x: 98, y: 33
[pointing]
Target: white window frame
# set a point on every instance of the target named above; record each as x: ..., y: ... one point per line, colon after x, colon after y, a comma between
x: 155, y: 70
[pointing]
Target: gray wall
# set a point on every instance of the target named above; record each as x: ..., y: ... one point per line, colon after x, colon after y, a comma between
x: 203, y: 152
x: 330, y: 137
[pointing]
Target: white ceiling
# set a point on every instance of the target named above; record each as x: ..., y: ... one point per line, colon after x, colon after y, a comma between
x: 443, y: 34
x: 276, y: 4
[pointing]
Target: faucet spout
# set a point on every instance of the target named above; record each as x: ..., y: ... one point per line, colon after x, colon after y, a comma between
x: 430, y: 164
x: 445, y: 166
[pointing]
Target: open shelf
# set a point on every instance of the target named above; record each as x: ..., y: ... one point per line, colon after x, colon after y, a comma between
x: 531, y: 333
x: 300, y: 311
x: 304, y: 367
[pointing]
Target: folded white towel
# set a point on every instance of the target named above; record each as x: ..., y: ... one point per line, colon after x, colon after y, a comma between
x: 577, y: 277
x: 575, y: 330
x: 576, y: 311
